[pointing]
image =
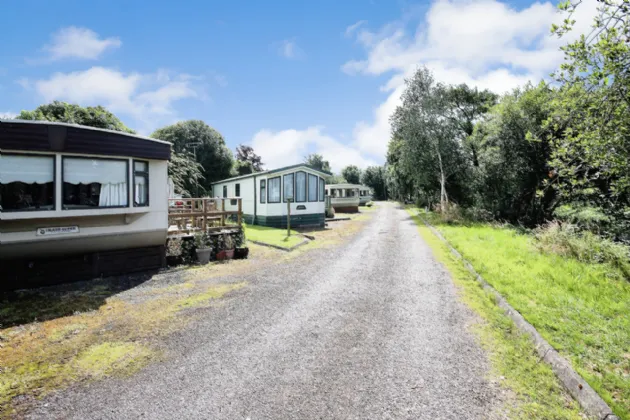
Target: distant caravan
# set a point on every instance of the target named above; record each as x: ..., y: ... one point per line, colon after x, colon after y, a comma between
x: 344, y: 198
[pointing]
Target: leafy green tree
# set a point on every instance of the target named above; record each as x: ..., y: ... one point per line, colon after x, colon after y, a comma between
x: 245, y: 154
x: 352, y: 174
x: 400, y: 184
x: 205, y: 144
x: 335, y: 179
x: 375, y: 178
x: 185, y: 173
x: 317, y: 161
x: 57, y: 111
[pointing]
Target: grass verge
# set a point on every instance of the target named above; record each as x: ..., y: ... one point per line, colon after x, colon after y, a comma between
x: 582, y: 309
x: 116, y: 339
x: 536, y: 391
x: 272, y: 236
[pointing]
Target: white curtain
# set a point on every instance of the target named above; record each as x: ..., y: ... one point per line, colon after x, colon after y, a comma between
x: 300, y: 186
x: 288, y: 187
x: 312, y: 188
x: 26, y: 169
x: 113, y: 195
x: 274, y: 190
x: 140, y: 190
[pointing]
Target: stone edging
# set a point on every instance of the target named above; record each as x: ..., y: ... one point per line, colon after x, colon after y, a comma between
x: 304, y: 242
x: 586, y: 396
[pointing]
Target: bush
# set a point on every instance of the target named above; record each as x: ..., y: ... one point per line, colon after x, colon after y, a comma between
x: 585, y: 217
x: 330, y: 213
x: 369, y: 203
x: 567, y: 240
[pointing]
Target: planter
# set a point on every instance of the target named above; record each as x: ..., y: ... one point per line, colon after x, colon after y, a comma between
x: 229, y: 254
x: 241, y: 253
x: 203, y: 255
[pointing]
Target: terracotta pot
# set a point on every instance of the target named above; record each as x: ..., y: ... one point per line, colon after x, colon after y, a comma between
x: 221, y: 256
x: 229, y: 254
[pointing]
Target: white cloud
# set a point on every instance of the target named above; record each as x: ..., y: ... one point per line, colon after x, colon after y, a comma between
x: 350, y: 29
x: 148, y: 98
x: 7, y: 115
x: 288, y: 48
x: 288, y: 147
x: 82, y: 43
x: 483, y: 43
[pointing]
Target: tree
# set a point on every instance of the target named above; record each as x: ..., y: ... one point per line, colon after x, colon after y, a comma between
x: 317, y: 161
x: 57, y: 111
x: 335, y: 179
x: 375, y: 178
x: 431, y: 150
x: 400, y: 185
x: 185, y: 173
x: 246, y: 153
x: 467, y: 105
x: 205, y: 144
x: 352, y: 174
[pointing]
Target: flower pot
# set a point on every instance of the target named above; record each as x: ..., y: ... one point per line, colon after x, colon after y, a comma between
x: 203, y: 255
x: 229, y: 254
x: 241, y: 253
x: 221, y: 256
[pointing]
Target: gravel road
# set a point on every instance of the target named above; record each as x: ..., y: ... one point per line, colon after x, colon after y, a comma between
x: 369, y: 330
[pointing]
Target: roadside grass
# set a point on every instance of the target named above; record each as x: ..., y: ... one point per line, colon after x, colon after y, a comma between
x: 581, y: 309
x: 272, y: 236
x: 116, y: 339
x: 534, y: 390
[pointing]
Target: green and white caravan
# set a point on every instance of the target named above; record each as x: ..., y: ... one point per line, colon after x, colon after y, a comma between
x: 264, y: 196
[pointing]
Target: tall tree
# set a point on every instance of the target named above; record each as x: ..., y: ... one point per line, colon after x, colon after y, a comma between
x: 467, y: 105
x: 90, y: 116
x: 205, y: 144
x: 352, y: 174
x: 431, y: 148
x: 375, y: 178
x: 317, y: 161
x: 246, y: 153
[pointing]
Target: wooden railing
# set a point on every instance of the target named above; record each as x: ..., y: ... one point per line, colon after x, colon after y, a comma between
x: 188, y: 215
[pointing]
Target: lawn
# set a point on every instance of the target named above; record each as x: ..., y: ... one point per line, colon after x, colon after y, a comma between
x: 581, y: 309
x: 272, y: 236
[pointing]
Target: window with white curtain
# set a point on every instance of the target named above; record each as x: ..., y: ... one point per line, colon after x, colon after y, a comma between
x: 91, y: 182
x: 273, y: 190
x: 27, y: 182
x: 300, y: 187
x: 288, y: 187
x: 140, y: 183
x: 263, y: 191
x: 312, y: 187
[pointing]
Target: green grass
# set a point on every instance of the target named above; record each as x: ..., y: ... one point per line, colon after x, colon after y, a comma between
x: 534, y: 392
x: 581, y: 309
x: 272, y: 236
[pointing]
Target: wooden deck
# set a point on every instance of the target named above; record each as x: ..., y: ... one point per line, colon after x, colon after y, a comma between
x: 189, y: 215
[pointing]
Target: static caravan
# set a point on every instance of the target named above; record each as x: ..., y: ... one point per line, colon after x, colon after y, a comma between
x: 344, y: 197
x: 79, y: 202
x: 265, y: 194
x: 365, y: 195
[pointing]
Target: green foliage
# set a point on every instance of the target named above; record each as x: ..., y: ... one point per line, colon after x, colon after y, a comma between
x: 186, y: 174
x: 247, y: 160
x: 317, y: 161
x: 375, y: 177
x: 369, y: 203
x: 335, y: 179
x: 196, y: 138
x: 242, y: 168
x: 330, y: 212
x: 590, y: 218
x: 352, y: 174
x: 57, y: 111
x: 202, y: 240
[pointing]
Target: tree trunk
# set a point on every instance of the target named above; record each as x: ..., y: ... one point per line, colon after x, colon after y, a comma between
x: 443, y: 195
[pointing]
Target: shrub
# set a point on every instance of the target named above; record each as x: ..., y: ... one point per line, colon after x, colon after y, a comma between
x: 330, y: 213
x: 567, y: 240
x: 585, y: 217
x: 478, y: 214
x: 369, y: 203
x: 173, y: 247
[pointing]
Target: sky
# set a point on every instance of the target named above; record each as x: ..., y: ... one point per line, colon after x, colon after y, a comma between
x: 286, y: 77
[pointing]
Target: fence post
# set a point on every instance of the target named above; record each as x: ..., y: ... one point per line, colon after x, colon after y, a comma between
x: 239, y: 216
x: 205, y: 214
x: 288, y: 217
x: 222, y: 212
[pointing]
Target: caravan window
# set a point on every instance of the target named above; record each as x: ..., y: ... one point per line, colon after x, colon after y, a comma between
x: 300, y: 187
x: 274, y: 190
x: 322, y: 186
x: 312, y: 187
x: 92, y: 183
x: 27, y: 183
x: 263, y: 191
x: 140, y: 183
x: 288, y: 187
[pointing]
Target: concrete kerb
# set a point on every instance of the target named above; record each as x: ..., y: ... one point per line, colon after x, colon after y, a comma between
x: 586, y: 396
x: 304, y: 242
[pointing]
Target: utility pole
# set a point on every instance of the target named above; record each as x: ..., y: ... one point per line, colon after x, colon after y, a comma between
x: 194, y: 145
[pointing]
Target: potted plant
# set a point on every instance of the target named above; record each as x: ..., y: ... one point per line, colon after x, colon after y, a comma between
x: 202, y: 247
x: 241, y: 251
x: 228, y: 243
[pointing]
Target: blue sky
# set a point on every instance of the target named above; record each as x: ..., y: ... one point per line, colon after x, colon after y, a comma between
x: 287, y: 77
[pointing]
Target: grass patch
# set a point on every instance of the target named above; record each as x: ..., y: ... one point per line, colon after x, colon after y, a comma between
x: 582, y: 309
x: 202, y: 299
x: 106, y: 358
x: 272, y: 236
x: 537, y: 393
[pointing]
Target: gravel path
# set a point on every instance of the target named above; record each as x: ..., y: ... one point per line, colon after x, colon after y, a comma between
x: 372, y: 329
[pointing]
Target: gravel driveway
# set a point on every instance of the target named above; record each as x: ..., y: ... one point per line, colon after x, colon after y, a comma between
x: 370, y: 329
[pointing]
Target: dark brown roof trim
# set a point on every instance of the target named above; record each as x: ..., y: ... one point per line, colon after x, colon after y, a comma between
x: 44, y: 136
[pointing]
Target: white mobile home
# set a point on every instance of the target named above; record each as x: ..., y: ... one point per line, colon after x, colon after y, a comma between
x: 264, y: 196
x: 344, y: 197
x: 365, y: 195
x: 79, y: 193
